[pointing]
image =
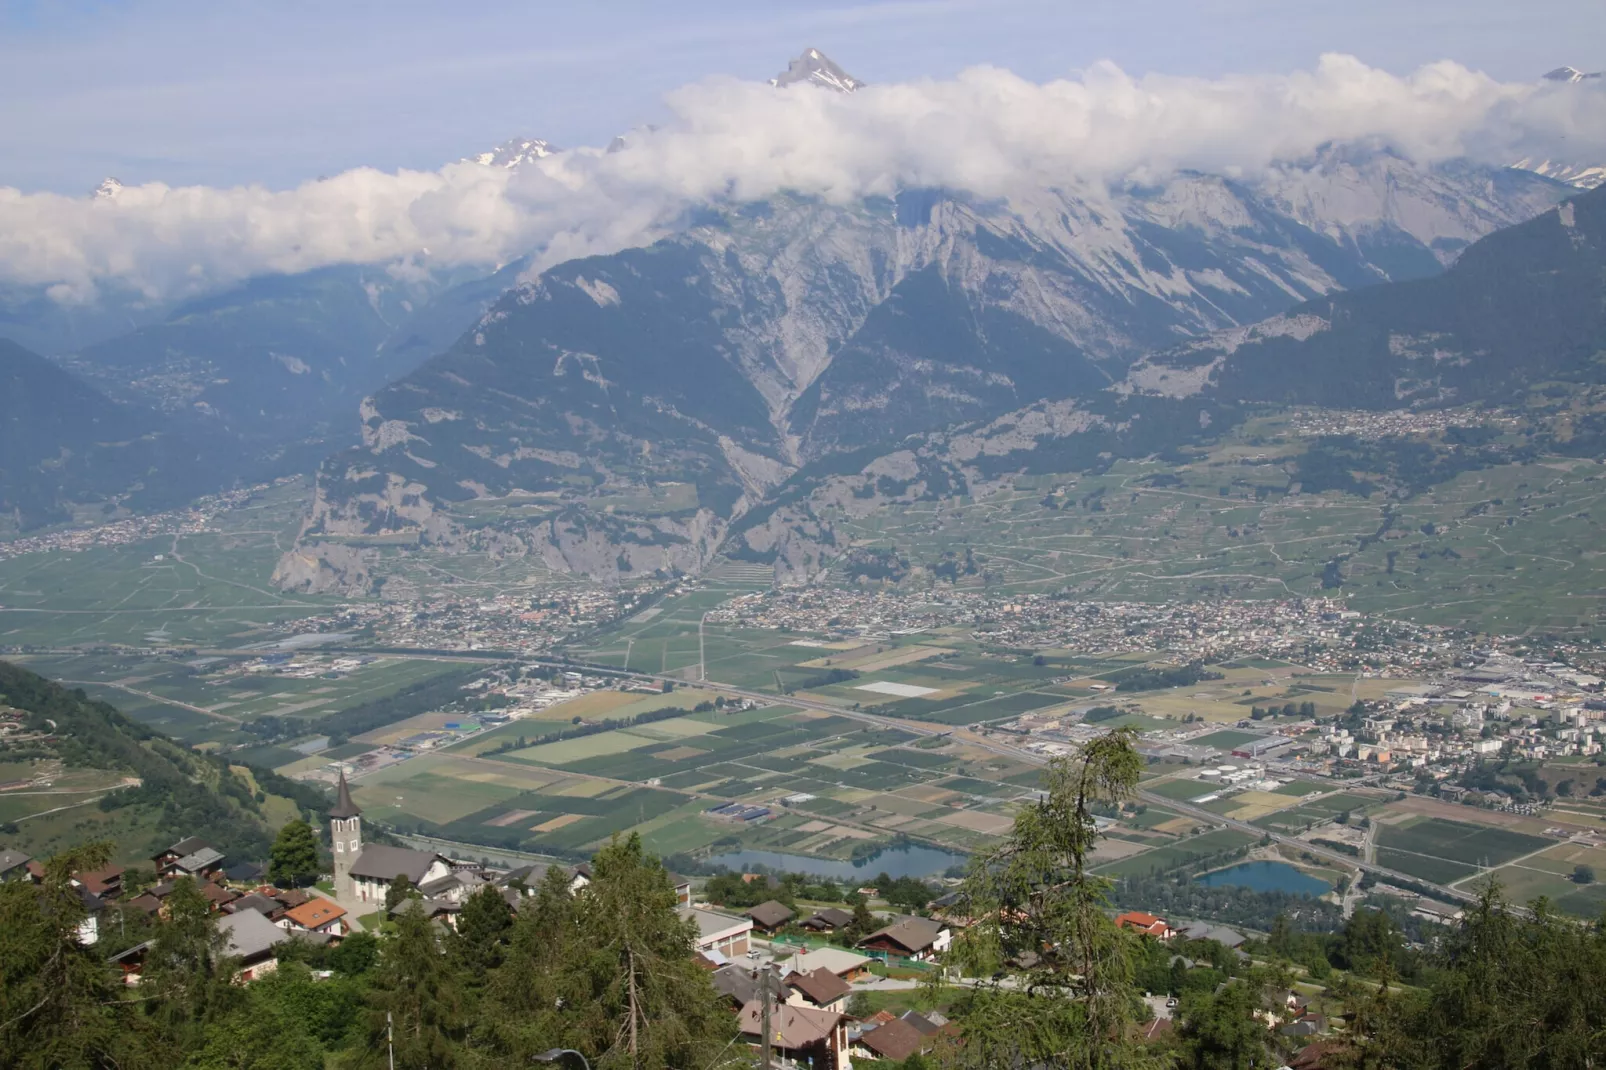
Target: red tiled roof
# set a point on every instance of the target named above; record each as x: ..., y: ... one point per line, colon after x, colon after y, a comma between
x: 315, y: 912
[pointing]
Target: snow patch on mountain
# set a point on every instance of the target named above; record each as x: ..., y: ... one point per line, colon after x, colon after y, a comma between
x: 814, y: 67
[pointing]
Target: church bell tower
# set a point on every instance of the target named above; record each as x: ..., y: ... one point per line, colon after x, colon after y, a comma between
x: 345, y: 839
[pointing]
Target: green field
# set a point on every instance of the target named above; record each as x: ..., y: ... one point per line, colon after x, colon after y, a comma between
x: 1177, y: 855
x: 1440, y: 850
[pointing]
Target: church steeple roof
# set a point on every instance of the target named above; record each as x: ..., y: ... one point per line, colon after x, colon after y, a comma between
x: 344, y: 807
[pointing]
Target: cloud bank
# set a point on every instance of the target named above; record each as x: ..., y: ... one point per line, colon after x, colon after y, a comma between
x: 986, y: 131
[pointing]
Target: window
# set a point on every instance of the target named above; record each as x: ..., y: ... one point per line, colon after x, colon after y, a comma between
x: 353, y: 845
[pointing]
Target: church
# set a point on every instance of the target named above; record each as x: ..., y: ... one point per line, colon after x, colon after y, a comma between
x: 365, y: 874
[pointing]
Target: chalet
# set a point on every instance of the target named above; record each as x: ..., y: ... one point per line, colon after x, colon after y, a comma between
x: 106, y: 882
x: 741, y: 984
x: 247, y: 873
x: 822, y: 990
x: 315, y: 916
x: 893, y: 1041
x: 1203, y: 930
x: 829, y: 920
x: 14, y: 866
x: 718, y: 933
x: 916, y: 938
x: 189, y: 857
x: 266, y: 905
x: 770, y: 916
x: 254, y: 940
x: 1145, y: 924
x: 801, y: 1035
x: 845, y: 964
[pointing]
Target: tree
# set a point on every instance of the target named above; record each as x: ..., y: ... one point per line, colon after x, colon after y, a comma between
x: 59, y: 1004
x: 608, y: 972
x: 417, y: 998
x: 401, y: 889
x: 1583, y: 874
x: 293, y: 860
x: 859, y: 1005
x: 1220, y: 1030
x: 188, y: 971
x: 1041, y: 924
x: 482, y: 931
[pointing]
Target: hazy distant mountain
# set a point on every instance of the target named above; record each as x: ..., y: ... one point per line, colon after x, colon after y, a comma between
x: 63, y: 443
x: 1522, y: 306
x: 783, y: 333
x: 814, y: 67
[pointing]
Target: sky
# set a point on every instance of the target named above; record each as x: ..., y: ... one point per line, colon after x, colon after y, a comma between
x: 227, y: 93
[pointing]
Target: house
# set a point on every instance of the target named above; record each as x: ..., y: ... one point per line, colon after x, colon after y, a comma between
x: 822, y: 990
x: 719, y: 933
x: 682, y: 890
x: 1308, y: 1026
x: 801, y: 1035
x: 14, y: 866
x: 315, y: 916
x: 265, y: 905
x: 189, y: 857
x: 252, y: 939
x: 106, y: 882
x: 916, y: 938
x: 845, y: 964
x: 94, y: 906
x: 770, y: 915
x: 741, y: 984
x: 248, y: 873
x: 828, y: 920
x: 894, y: 1041
x: 366, y: 873
x: 1203, y: 930
x: 1145, y: 924
x: 216, y: 894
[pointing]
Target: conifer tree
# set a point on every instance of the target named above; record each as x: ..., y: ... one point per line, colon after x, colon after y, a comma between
x: 60, y: 1005
x: 417, y: 998
x: 1041, y: 923
x: 293, y: 859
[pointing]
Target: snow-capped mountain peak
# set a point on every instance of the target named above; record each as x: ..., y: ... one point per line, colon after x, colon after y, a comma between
x: 1569, y: 74
x: 512, y: 153
x: 816, y: 68
x: 109, y: 187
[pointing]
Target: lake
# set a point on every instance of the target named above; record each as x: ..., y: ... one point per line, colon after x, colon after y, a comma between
x: 910, y: 860
x: 1268, y: 877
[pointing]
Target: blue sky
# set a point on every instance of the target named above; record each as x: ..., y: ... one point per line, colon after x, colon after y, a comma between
x: 226, y: 92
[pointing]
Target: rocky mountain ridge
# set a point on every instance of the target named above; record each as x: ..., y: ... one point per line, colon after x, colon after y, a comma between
x: 786, y: 334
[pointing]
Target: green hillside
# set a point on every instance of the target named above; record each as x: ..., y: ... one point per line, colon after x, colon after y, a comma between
x: 81, y: 771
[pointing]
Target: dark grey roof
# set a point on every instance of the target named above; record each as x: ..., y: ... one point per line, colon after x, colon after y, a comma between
x: 343, y: 807
x: 829, y: 918
x: 245, y: 872
x: 188, y: 845
x: 250, y: 935
x: 923, y: 1025
x: 912, y: 934
x: 260, y: 903
x: 744, y: 984
x: 195, y: 861
x: 770, y: 914
x: 379, y: 861
x: 10, y: 860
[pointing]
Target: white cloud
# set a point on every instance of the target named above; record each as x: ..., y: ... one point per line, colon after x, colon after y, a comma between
x: 986, y: 131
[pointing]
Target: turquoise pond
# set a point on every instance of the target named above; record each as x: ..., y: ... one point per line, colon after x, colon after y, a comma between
x: 1268, y: 877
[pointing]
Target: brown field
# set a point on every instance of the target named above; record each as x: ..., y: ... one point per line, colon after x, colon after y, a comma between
x: 557, y: 822
x: 1416, y: 804
x: 814, y: 826
x: 511, y: 817
x: 1112, y: 850
x: 594, y: 706
x: 976, y: 821
x: 928, y: 793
